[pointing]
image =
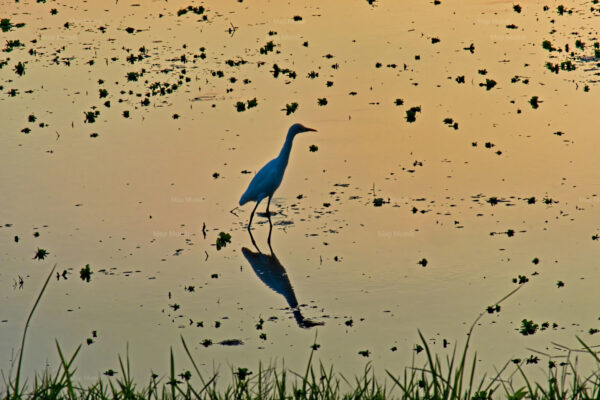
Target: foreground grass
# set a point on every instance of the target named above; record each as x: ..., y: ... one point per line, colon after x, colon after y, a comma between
x: 453, y: 378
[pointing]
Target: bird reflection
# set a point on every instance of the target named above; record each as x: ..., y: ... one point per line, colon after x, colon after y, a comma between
x: 273, y: 274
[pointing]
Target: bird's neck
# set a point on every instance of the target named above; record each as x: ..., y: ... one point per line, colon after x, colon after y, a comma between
x: 284, y: 155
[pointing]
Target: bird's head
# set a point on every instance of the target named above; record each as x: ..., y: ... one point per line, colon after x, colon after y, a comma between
x: 299, y: 128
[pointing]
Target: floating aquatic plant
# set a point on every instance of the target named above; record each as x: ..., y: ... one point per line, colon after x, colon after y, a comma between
x: 243, y: 373
x: 290, y: 108
x: 489, y: 84
x: 260, y: 324
x: 567, y: 66
x: 552, y: 67
x: 223, y: 239
x: 11, y: 44
x: 547, y: 45
x: 196, y: 10
x: 85, y: 273
x: 252, y: 103
x: 411, y: 113
x: 5, y: 24
x: 40, y: 254
x: 90, y: 116
x: 132, y: 76
x: 521, y: 279
x: 493, y: 309
x: 534, y: 101
x: 268, y: 47
x: 528, y: 327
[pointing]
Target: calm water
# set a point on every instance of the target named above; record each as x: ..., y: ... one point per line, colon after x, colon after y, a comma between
x: 140, y: 190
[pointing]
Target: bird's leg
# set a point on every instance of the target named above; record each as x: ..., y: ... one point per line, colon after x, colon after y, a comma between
x: 252, y: 216
x: 270, y: 224
x: 253, y: 241
x: 269, y: 243
x: 270, y: 230
x: 268, y: 213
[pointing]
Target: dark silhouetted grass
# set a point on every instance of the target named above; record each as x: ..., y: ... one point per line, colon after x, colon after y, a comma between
x: 455, y: 378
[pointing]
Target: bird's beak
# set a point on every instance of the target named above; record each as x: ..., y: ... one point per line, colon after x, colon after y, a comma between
x: 310, y: 130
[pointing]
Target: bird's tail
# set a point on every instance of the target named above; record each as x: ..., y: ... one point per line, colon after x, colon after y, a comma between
x: 245, y: 198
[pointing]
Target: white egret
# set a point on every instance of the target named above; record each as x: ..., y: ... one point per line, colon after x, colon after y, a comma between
x: 268, y: 179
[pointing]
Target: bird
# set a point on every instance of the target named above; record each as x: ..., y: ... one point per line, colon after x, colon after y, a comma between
x: 268, y: 179
x: 274, y: 275
x: 270, y: 271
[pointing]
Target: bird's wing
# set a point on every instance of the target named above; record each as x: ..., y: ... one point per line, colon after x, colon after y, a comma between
x: 264, y: 183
